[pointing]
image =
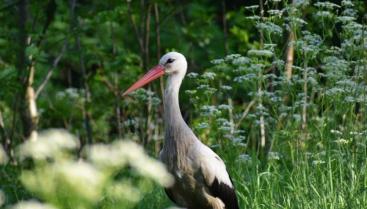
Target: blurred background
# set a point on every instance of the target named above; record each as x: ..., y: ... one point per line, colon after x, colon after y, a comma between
x: 267, y: 80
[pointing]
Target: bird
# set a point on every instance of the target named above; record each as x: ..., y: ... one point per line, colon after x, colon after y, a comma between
x: 201, y: 178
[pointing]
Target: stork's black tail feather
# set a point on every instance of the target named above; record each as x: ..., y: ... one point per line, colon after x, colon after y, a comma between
x: 226, y: 193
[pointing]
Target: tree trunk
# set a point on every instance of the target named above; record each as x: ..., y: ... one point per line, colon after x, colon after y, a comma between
x: 29, y: 115
x: 289, y: 55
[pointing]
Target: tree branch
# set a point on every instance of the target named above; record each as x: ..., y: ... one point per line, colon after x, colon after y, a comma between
x: 132, y: 22
x: 86, y: 114
x: 51, y: 69
x: 245, y: 113
x: 4, y: 135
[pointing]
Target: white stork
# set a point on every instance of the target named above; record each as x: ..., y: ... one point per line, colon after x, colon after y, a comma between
x: 201, y: 178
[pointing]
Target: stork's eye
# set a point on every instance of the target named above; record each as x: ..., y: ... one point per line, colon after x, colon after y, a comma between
x: 170, y: 60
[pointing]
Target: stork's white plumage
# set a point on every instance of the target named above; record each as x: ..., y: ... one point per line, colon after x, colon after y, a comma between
x: 201, y: 178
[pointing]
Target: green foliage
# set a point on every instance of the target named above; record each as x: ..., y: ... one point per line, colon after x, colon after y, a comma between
x: 108, y: 176
x: 313, y: 122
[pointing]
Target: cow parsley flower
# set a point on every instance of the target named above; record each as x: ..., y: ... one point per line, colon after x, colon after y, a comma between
x: 274, y: 156
x: 241, y: 61
x: 253, y: 7
x: 245, y: 158
x: 260, y: 53
x: 326, y: 5
x: 209, y: 75
x: 226, y: 88
x: 224, y: 107
x: 217, y: 61
x: 341, y: 141
x: 209, y: 110
x: 270, y: 28
x: 190, y: 92
x: 32, y: 204
x: 48, y: 144
x: 192, y: 75
x: 318, y: 162
x: 202, y: 125
x: 347, y: 3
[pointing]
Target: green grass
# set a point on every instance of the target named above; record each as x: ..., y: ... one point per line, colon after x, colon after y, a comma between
x: 332, y: 178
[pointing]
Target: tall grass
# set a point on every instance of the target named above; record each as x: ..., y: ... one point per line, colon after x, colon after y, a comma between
x: 315, y: 123
x: 288, y: 142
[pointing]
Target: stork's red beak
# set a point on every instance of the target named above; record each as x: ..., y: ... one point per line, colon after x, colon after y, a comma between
x: 151, y: 75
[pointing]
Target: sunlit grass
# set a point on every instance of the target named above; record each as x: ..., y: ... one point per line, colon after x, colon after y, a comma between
x: 332, y: 178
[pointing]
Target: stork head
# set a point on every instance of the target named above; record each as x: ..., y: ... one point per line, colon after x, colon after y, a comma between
x: 171, y: 64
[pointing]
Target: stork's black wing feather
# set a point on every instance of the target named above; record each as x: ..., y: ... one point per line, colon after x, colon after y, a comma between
x: 224, y: 192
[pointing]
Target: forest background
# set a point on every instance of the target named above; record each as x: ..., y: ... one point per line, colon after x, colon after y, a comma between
x: 276, y: 88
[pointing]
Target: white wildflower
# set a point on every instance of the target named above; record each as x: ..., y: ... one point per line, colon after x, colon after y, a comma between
x: 347, y: 3
x: 341, y: 141
x: 247, y: 77
x: 209, y: 75
x: 274, y: 156
x: 361, y: 144
x: 349, y: 99
x: 209, y: 110
x: 83, y: 177
x: 355, y: 133
x: 48, y: 144
x: 295, y: 21
x: 260, y: 53
x: 121, y: 153
x: 124, y: 190
x: 297, y: 117
x: 217, y: 61
x: 106, y: 156
x: 225, y: 107
x: 232, y: 57
x: 225, y: 129
x: 334, y: 91
x: 253, y: 7
x: 244, y: 157
x: 300, y: 3
x: 72, y: 93
x: 203, y: 86
x: 202, y: 125
x: 270, y: 47
x: 270, y: 28
x: 60, y: 95
x: 153, y: 169
x: 318, y: 162
x: 275, y: 12
x: 324, y: 14
x: 254, y: 17
x: 225, y: 87
x: 192, y: 75
x: 345, y: 19
x: 190, y: 92
x: 336, y: 132
x: 32, y: 204
x: 241, y: 60
x: 326, y: 5
x: 145, y: 165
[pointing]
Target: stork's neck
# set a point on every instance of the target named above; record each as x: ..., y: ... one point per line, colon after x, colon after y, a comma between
x: 177, y: 131
x: 178, y: 136
x: 172, y: 112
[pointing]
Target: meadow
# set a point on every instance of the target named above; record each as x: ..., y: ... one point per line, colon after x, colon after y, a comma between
x: 278, y: 89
